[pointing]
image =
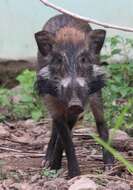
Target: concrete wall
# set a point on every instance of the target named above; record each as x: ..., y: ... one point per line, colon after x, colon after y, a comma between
x: 20, y: 19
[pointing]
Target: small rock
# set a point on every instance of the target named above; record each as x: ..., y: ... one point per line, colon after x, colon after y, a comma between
x: 20, y: 186
x: 15, y: 186
x: 24, y: 138
x: 118, y: 138
x: 130, y: 131
x: 35, y: 177
x: 101, y: 188
x: 16, y: 97
x: 118, y: 135
x: 3, y: 132
x: 29, y: 123
x: 83, y: 183
x: 26, y: 186
x: 59, y: 184
x: 119, y: 185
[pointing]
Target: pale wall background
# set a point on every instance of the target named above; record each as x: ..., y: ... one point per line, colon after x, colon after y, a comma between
x: 20, y: 19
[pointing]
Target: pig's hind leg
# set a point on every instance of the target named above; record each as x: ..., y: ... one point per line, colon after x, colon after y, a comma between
x: 97, y: 110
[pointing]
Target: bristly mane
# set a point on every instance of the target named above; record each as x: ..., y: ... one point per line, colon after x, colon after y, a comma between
x: 61, y: 25
x: 60, y: 21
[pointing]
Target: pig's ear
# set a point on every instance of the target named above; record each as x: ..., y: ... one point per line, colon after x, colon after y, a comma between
x: 97, y: 38
x: 45, y: 41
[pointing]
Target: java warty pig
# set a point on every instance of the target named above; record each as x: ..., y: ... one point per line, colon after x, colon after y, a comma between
x: 69, y: 77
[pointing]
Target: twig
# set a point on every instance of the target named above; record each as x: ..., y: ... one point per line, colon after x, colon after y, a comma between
x: 89, y: 20
x: 15, y: 141
x: 23, y: 143
x: 10, y: 125
x: 115, y: 169
x: 33, y: 154
x: 22, y: 155
x: 10, y: 149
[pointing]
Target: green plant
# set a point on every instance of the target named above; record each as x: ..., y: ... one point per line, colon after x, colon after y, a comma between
x: 28, y: 104
x: 117, y: 92
x: 4, y: 97
x: 50, y: 173
x: 4, y: 102
x: 118, y: 48
x: 115, y: 153
x: 119, y: 85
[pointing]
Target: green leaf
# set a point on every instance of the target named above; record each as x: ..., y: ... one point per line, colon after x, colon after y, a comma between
x: 114, y: 41
x: 129, y: 41
x: 120, y: 119
x: 105, y: 57
x: 36, y: 114
x: 115, y: 153
x: 114, y: 66
x: 115, y: 51
x: 50, y: 173
x: 114, y: 88
x: 26, y: 99
x: 118, y: 78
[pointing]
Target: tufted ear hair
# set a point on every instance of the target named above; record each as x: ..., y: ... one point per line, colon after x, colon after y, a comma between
x: 45, y: 41
x: 97, y: 38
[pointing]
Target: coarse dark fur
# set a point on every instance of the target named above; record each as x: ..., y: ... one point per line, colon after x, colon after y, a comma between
x: 67, y: 79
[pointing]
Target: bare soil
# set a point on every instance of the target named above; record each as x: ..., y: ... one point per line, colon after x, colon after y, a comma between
x: 10, y: 69
x: 22, y: 150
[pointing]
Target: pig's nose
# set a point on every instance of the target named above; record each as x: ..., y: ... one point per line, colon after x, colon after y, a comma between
x: 75, y: 107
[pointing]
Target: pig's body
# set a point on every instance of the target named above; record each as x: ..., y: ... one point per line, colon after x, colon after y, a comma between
x: 68, y: 72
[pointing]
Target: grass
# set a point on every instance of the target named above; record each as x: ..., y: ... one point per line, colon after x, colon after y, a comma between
x: 28, y: 104
x: 115, y: 153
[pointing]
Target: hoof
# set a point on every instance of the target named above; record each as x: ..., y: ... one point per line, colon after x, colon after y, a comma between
x: 108, y: 168
x: 74, y: 173
x: 45, y: 163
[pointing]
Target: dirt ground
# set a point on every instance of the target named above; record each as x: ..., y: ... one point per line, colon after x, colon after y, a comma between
x: 22, y: 149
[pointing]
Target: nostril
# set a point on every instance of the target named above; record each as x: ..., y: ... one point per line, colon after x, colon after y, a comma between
x: 75, y: 109
x: 75, y: 106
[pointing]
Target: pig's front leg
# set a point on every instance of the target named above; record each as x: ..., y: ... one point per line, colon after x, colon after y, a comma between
x: 65, y: 135
x: 55, y: 147
x: 55, y: 150
x: 51, y: 146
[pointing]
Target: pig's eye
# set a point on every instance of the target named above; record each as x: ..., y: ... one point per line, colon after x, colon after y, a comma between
x: 58, y: 67
x: 57, y: 59
x: 84, y: 58
x: 84, y: 64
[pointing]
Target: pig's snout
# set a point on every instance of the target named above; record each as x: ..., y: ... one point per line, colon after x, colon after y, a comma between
x: 75, y: 107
